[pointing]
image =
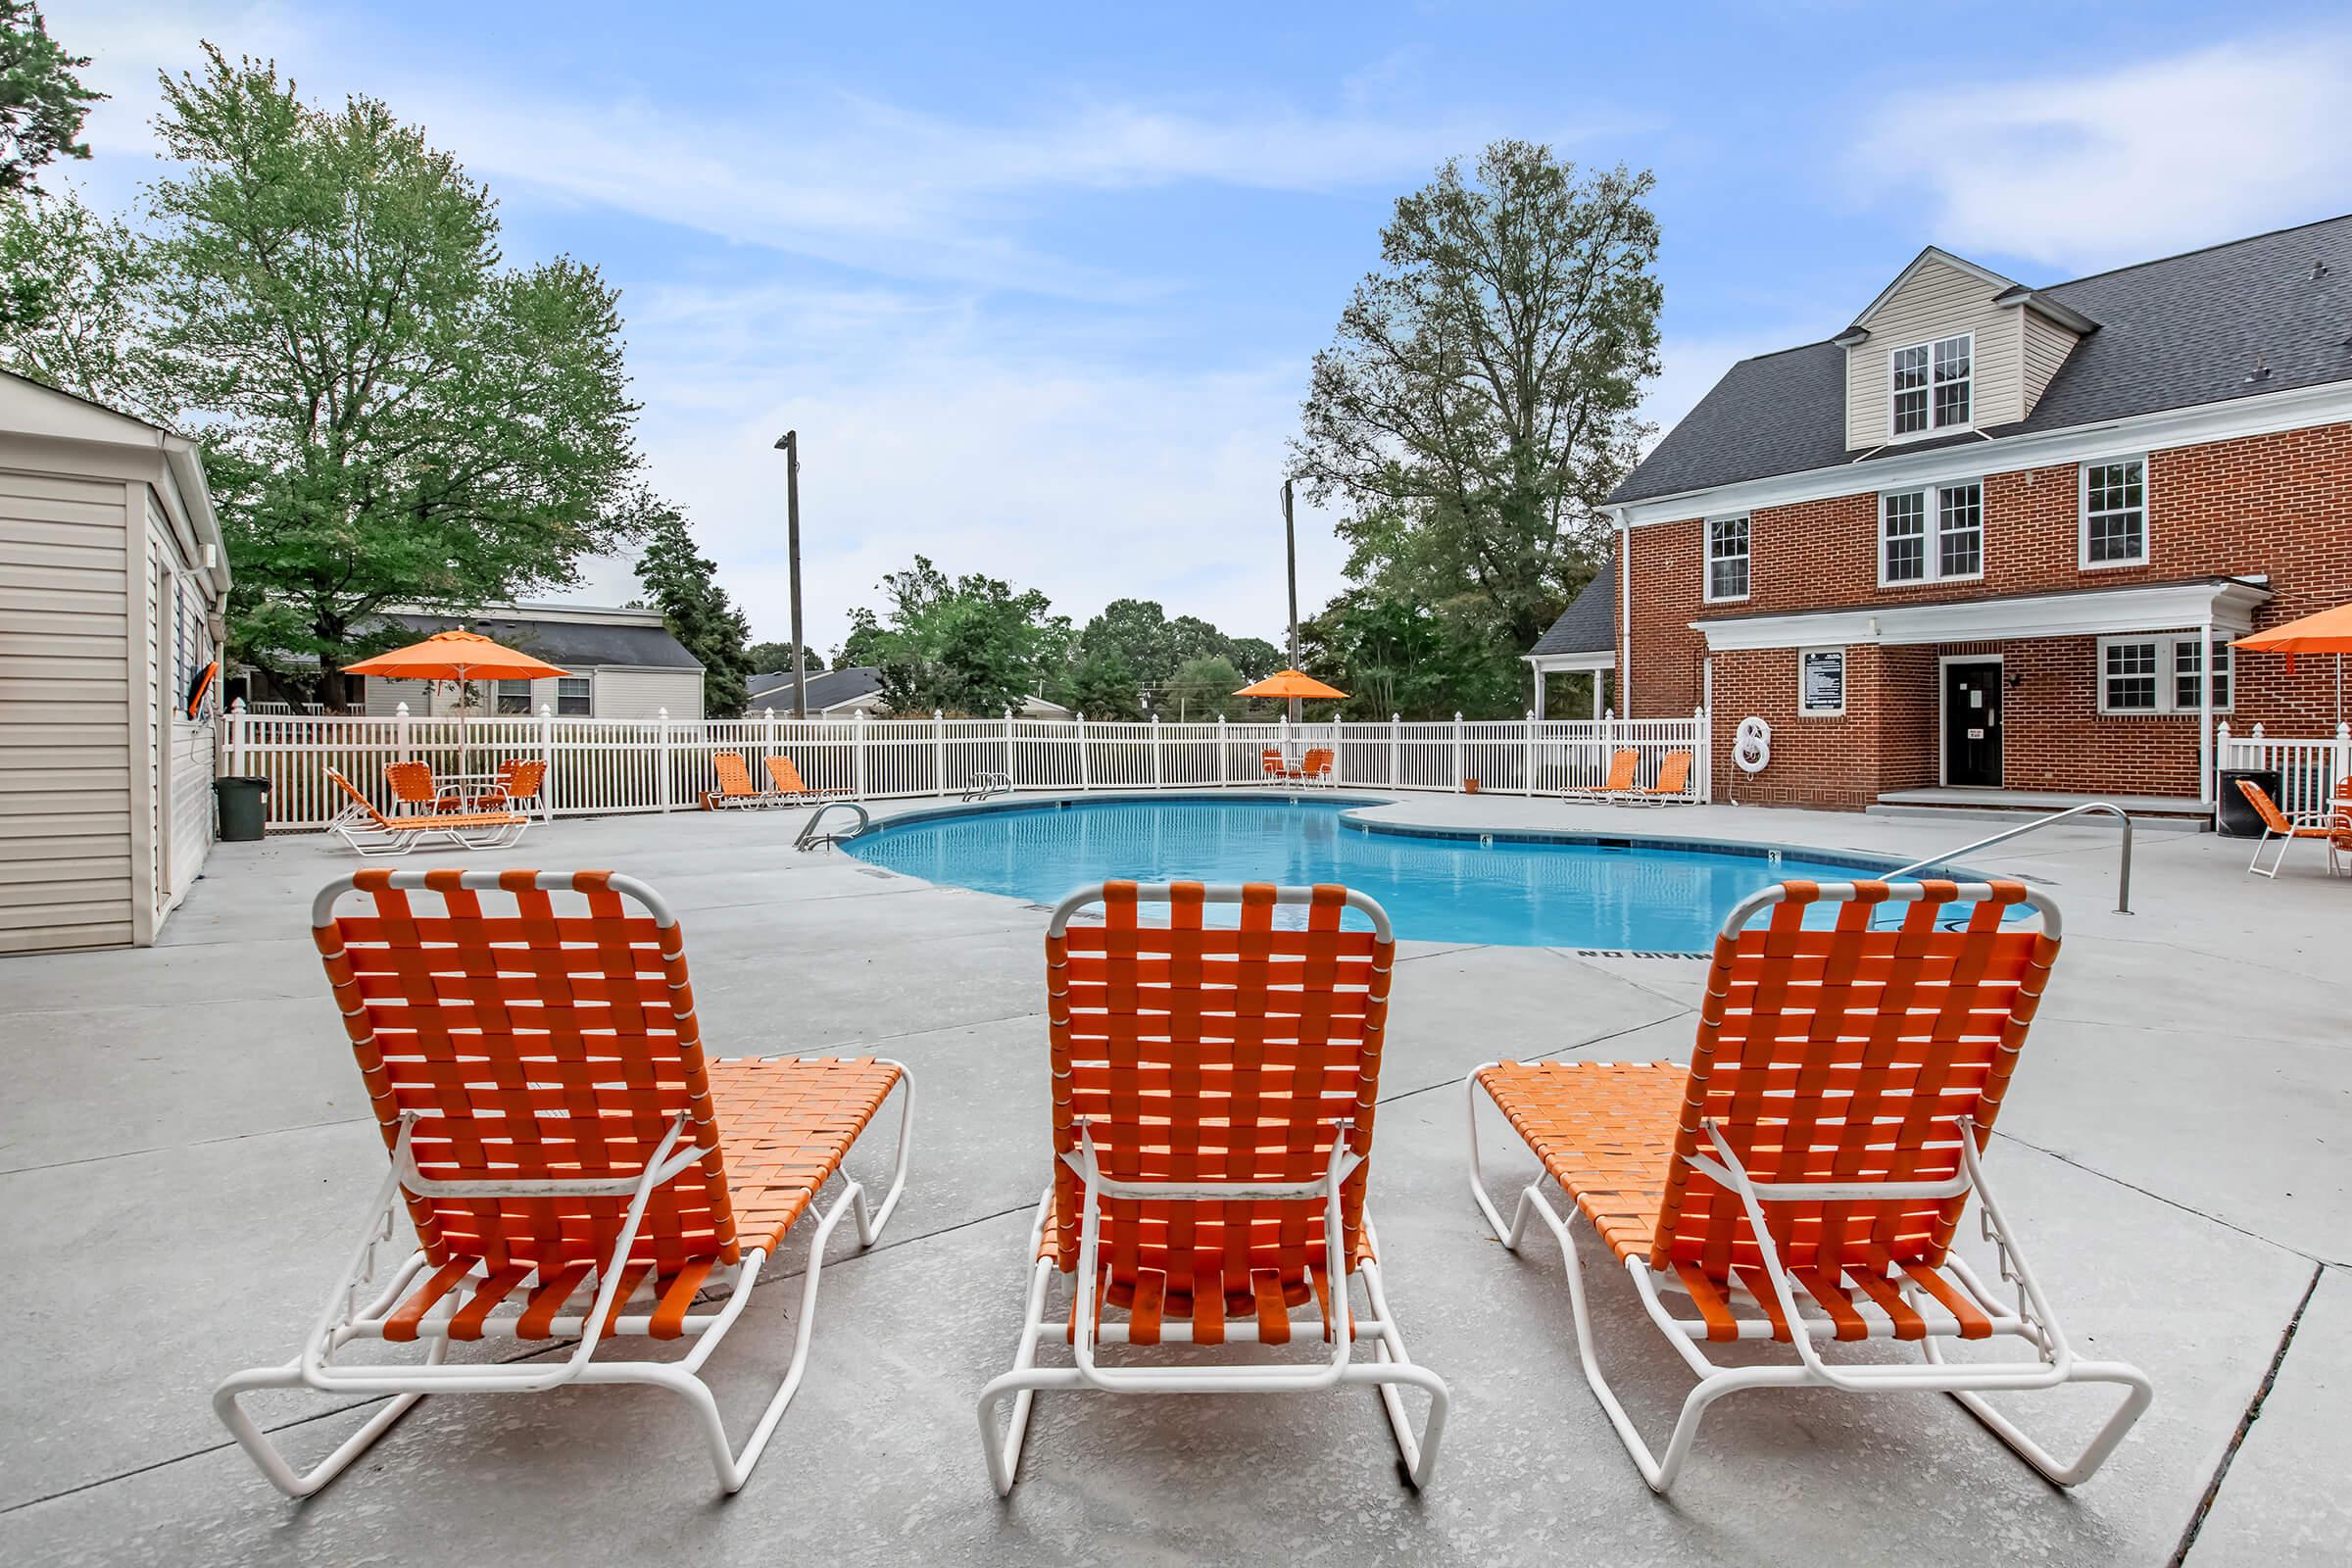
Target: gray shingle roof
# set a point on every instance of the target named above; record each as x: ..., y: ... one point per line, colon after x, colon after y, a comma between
x: 573, y: 645
x: 825, y: 690
x: 1589, y: 625
x: 2172, y: 333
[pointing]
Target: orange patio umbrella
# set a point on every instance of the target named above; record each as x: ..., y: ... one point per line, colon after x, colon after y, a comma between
x: 456, y: 655
x: 1291, y: 683
x: 2328, y: 632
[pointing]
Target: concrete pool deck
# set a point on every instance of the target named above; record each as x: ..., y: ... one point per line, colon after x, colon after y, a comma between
x: 184, y: 1149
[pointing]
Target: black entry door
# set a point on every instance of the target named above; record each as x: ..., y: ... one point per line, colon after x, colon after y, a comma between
x: 1971, y: 724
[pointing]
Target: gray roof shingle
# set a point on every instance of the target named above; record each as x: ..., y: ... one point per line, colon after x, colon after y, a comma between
x: 1589, y: 625
x: 2172, y: 333
x: 825, y: 690
x: 571, y: 644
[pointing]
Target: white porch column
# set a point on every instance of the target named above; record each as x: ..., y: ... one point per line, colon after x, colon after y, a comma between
x: 1599, y: 682
x: 2205, y: 778
x: 1539, y: 713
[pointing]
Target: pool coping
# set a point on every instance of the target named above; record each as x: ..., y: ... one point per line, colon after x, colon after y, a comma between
x: 1356, y: 802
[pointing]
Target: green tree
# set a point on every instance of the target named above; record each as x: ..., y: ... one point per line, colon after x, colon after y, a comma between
x: 1477, y: 404
x: 1137, y: 630
x: 974, y: 645
x: 770, y: 657
x: 1392, y: 657
x: 1255, y: 657
x: 388, y: 413
x: 1203, y: 688
x: 42, y: 103
x: 1101, y: 684
x: 683, y: 584
x: 74, y: 290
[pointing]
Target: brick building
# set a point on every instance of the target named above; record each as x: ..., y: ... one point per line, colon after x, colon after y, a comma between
x: 1993, y: 540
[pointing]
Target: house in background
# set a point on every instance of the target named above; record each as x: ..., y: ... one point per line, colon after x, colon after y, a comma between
x: 1582, y: 642
x: 858, y: 689
x: 1990, y: 543
x: 112, y: 583
x: 624, y: 664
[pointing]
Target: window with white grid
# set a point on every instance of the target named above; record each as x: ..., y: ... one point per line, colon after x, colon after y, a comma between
x: 1931, y: 535
x: 2115, y: 513
x: 1932, y: 385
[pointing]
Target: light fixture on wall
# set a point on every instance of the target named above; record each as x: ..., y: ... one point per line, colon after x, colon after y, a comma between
x: 2017, y: 680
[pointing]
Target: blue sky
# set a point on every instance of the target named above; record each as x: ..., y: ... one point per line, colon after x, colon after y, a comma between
x: 1038, y: 286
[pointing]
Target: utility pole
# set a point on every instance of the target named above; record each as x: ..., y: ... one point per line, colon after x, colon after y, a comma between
x: 790, y: 445
x: 1289, y: 550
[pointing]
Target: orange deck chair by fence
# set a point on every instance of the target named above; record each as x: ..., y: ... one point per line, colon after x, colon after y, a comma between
x: 1273, y: 764
x: 517, y: 787
x: 572, y: 1165
x: 1213, y: 1091
x: 1316, y: 766
x: 1802, y: 1178
x: 1623, y: 764
x: 370, y: 832
x: 1671, y: 783
x: 735, y: 787
x: 2277, y: 824
x: 789, y: 784
x: 413, y: 789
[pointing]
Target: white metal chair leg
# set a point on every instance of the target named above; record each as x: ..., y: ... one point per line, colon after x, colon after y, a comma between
x: 1391, y: 1368
x: 265, y: 1453
x: 1021, y: 1383
x: 2139, y: 1394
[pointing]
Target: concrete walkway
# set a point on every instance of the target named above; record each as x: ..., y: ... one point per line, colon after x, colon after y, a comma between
x: 184, y: 1148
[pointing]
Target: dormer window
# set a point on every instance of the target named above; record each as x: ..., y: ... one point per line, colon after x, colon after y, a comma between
x: 1933, y: 384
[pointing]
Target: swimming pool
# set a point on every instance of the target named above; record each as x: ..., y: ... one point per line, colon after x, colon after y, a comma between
x: 1638, y: 896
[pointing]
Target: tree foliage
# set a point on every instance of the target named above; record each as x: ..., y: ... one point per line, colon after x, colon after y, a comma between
x: 974, y: 645
x: 388, y: 412
x: 1102, y: 685
x: 1203, y: 688
x: 770, y: 656
x: 1396, y: 657
x: 43, y: 102
x: 72, y: 303
x: 1137, y: 636
x: 683, y: 584
x: 1477, y: 404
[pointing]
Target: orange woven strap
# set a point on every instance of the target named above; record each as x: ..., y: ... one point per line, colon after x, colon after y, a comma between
x: 734, y: 773
x: 412, y: 782
x: 1203, y: 1053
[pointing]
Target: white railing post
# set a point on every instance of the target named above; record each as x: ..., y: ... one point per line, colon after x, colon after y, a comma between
x: 1527, y: 776
x: 663, y: 715
x: 547, y: 764
x: 239, y: 737
x: 1086, y: 772
x: 769, y: 712
x: 1395, y: 750
x: 939, y: 750
x: 1702, y: 755
x: 1457, y: 750
x: 2343, y: 759
x: 1009, y: 778
x: 1159, y: 773
x: 1338, y: 753
x: 857, y: 755
x: 1224, y: 766
x: 400, y: 734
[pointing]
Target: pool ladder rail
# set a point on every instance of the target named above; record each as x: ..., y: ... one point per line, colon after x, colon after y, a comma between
x: 812, y: 839
x: 2123, y: 885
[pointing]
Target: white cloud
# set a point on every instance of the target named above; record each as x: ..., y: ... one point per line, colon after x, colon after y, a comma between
x: 2096, y: 169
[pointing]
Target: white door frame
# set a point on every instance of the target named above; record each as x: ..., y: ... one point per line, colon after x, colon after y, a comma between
x: 1943, y: 754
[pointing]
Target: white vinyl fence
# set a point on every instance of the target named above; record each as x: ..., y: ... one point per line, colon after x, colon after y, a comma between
x: 2309, y: 767
x: 599, y: 765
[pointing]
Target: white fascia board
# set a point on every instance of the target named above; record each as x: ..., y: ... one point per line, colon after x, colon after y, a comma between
x: 1603, y: 660
x: 2267, y: 414
x: 2168, y: 607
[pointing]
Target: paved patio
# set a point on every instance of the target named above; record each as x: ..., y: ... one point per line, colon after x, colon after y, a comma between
x: 184, y: 1147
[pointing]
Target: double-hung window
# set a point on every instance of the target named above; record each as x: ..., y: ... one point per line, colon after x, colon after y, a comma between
x: 514, y: 696
x: 1932, y: 385
x: 573, y: 696
x: 2115, y: 513
x: 2160, y: 674
x: 1727, y: 558
x: 1931, y: 535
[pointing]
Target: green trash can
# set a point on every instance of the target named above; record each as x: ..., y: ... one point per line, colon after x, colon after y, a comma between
x: 242, y: 812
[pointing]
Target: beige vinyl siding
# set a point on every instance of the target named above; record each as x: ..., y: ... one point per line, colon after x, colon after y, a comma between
x: 2046, y: 346
x: 645, y: 692
x: 1937, y: 301
x: 65, y: 712
x: 188, y: 790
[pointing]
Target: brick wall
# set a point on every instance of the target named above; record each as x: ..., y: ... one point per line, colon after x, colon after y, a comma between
x: 2277, y: 504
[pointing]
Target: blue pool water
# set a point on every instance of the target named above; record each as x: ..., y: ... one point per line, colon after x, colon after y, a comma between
x: 1514, y: 893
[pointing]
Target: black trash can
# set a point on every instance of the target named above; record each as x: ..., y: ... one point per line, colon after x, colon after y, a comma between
x: 2237, y: 816
x: 242, y: 812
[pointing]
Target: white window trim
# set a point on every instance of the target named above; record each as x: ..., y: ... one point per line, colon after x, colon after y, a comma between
x: 1932, y: 539
x: 2147, y: 513
x: 1706, y: 558
x: 2167, y: 675
x: 589, y: 695
x: 1932, y: 428
x: 1844, y: 665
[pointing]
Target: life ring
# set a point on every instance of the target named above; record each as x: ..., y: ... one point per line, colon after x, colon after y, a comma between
x: 1751, y: 744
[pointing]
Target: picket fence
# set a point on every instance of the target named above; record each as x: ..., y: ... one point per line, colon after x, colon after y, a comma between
x: 600, y: 765
x: 2309, y: 767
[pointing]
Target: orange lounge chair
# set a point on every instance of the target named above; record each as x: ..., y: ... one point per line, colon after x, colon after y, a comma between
x: 370, y: 832
x: 735, y: 787
x: 1623, y: 764
x: 571, y: 1164
x: 1214, y: 1091
x: 1826, y: 1133
x: 1273, y: 764
x: 1671, y: 783
x: 413, y: 789
x: 1316, y: 766
x: 2326, y: 826
x: 793, y: 789
x: 517, y: 787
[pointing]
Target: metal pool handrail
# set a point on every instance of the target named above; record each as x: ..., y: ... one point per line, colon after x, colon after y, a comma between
x: 2123, y: 886
x: 811, y: 839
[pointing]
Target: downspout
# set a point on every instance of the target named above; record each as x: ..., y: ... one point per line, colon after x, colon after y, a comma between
x: 1624, y: 694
